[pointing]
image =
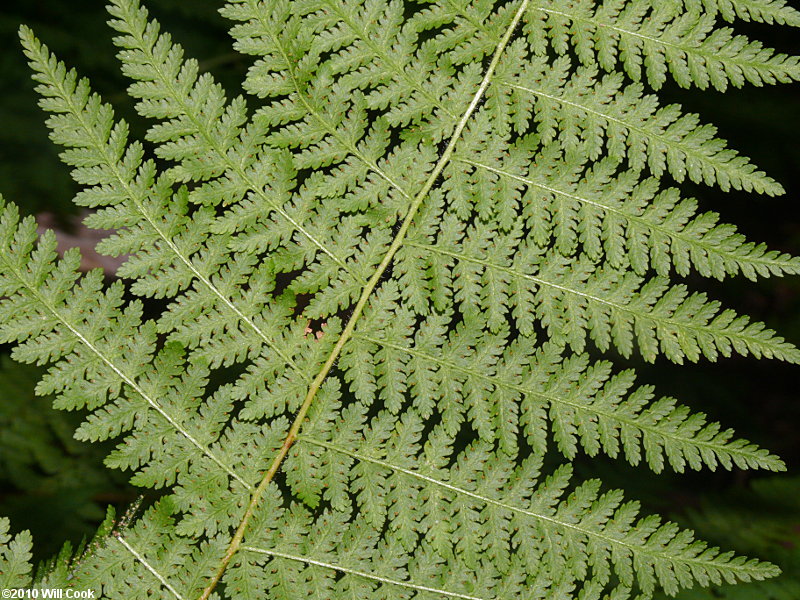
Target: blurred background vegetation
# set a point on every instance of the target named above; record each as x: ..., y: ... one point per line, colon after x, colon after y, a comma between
x: 59, y: 489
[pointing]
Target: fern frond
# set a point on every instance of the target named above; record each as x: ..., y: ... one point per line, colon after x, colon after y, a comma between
x: 648, y: 40
x: 763, y: 11
x: 494, y: 273
x: 151, y: 58
x: 153, y: 221
x: 201, y: 131
x: 613, y: 213
x: 171, y: 247
x: 491, y: 505
x: 466, y: 374
x: 379, y: 289
x: 631, y: 124
x: 15, y: 558
x: 147, y: 559
x: 102, y: 352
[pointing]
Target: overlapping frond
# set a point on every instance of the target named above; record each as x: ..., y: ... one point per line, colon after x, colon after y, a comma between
x: 648, y: 40
x: 15, y: 558
x: 383, y: 281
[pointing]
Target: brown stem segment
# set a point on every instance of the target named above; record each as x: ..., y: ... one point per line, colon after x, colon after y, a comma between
x: 236, y: 541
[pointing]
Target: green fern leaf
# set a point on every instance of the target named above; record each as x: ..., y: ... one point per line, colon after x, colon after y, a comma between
x: 649, y: 39
x: 763, y: 11
x: 376, y: 283
x: 636, y: 128
x: 15, y: 558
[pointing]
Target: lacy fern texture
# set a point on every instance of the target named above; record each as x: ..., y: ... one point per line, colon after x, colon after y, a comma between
x: 356, y: 338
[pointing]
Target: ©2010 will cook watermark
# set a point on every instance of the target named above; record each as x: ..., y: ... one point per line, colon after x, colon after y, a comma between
x: 47, y: 593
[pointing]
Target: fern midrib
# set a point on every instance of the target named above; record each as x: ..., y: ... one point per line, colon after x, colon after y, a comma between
x: 365, y: 575
x: 347, y: 332
x: 495, y: 381
x: 33, y: 291
x: 787, y: 265
x: 231, y: 164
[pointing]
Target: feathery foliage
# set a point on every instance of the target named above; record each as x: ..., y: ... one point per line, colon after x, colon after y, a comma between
x: 358, y: 307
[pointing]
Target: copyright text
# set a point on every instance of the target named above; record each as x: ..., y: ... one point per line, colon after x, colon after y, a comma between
x: 46, y: 593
